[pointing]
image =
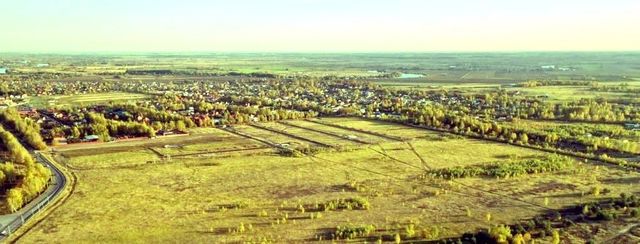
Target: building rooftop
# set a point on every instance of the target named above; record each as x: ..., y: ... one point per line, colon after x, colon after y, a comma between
x: 91, y: 137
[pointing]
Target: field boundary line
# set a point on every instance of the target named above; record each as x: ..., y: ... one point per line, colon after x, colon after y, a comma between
x: 67, y: 189
x: 394, y: 138
x: 219, y: 151
x: 156, y: 152
x: 634, y: 167
x: 359, y: 168
x: 291, y: 135
x: 251, y: 137
x: 395, y: 159
x: 424, y: 162
x: 325, y: 133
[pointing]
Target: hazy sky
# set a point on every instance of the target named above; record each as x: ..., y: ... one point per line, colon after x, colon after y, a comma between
x: 318, y: 25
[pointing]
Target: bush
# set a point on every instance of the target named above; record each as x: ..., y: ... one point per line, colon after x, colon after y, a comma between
x: 605, y: 215
x: 500, y: 233
x: 352, y: 231
x: 551, y: 163
x: 356, y: 203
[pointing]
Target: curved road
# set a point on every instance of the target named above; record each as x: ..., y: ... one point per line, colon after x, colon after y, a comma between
x: 11, y: 222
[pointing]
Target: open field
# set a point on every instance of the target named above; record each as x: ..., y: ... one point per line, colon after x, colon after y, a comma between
x: 339, y: 132
x: 438, y: 67
x: 565, y: 93
x: 570, y: 93
x: 383, y: 128
x: 609, y: 132
x: 84, y: 99
x: 311, y: 135
x: 272, y: 137
x: 264, y: 196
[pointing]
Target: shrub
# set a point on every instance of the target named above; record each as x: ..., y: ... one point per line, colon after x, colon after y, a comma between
x: 356, y: 203
x: 353, y: 231
x: 556, y: 237
x: 605, y: 215
x: 596, y: 190
x: 500, y: 233
x: 506, y: 169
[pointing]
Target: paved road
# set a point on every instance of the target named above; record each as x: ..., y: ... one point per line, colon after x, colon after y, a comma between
x: 11, y: 222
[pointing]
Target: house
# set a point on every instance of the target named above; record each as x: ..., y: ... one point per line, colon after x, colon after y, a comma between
x: 3, y: 71
x: 42, y: 65
x: 91, y: 138
x: 351, y: 137
x: 165, y: 133
x: 283, y: 145
x: 632, y: 126
x: 548, y: 67
x: 59, y: 140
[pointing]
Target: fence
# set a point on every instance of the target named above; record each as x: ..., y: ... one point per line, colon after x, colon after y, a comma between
x: 33, y: 209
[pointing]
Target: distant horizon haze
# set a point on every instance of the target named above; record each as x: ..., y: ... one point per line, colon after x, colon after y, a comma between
x: 319, y: 26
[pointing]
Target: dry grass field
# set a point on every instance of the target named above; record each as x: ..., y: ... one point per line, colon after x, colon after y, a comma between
x: 127, y: 193
x: 85, y: 99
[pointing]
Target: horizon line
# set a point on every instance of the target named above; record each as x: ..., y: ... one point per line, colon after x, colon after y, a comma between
x: 315, y: 52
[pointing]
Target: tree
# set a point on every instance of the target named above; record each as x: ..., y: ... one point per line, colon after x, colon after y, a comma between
x: 3, y: 178
x: 397, y: 238
x: 524, y: 138
x: 8, y: 170
x: 26, y: 129
x: 513, y: 137
x: 14, y: 199
x: 518, y: 239
x: 180, y: 126
x: 75, y: 132
x: 500, y: 233
x: 556, y: 237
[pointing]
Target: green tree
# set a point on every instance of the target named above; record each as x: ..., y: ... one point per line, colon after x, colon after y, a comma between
x: 180, y: 126
x: 14, y: 199
x: 75, y: 132
x: 556, y: 237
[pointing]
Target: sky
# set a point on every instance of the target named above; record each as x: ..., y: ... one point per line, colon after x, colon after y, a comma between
x: 318, y: 25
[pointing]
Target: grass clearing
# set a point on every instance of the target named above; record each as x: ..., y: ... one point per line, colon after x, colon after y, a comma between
x: 384, y: 128
x: 270, y: 197
x: 570, y: 93
x: 311, y: 135
x: 85, y: 99
x: 372, y: 139
x: 272, y: 136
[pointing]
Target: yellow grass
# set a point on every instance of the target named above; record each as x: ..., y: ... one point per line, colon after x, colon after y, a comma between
x: 181, y: 200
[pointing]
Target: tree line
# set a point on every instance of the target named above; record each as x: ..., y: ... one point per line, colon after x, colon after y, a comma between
x: 439, y: 117
x: 105, y: 128
x: 507, y: 169
x: 21, y: 186
x: 28, y: 129
x: 536, y: 83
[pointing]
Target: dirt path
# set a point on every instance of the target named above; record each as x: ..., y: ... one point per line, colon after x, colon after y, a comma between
x: 325, y: 133
x: 424, y: 162
x: 624, y: 231
x: 389, y: 137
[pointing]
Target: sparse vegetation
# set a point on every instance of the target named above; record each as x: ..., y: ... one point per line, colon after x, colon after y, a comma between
x: 512, y: 168
x: 245, y: 152
x: 353, y: 231
x: 347, y: 203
